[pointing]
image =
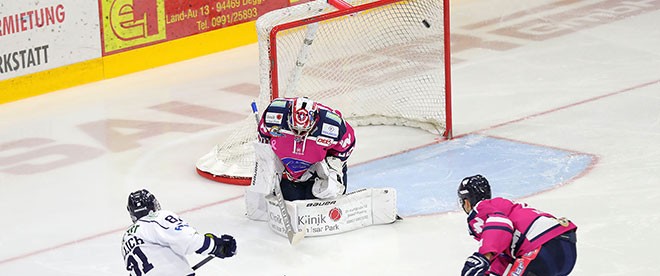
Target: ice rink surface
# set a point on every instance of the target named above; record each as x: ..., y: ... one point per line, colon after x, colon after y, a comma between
x: 575, y: 76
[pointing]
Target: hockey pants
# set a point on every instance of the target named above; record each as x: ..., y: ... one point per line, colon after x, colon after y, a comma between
x: 556, y: 257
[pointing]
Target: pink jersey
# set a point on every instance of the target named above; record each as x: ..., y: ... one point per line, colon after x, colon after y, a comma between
x: 512, y: 229
x: 330, y: 136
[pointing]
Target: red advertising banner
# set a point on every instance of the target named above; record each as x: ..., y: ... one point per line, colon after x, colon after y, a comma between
x: 204, y: 15
x: 130, y: 24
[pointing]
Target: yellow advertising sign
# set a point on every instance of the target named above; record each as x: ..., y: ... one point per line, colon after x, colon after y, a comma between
x: 129, y: 23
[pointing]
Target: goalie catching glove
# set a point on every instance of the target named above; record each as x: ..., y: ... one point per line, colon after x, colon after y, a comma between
x: 329, y: 183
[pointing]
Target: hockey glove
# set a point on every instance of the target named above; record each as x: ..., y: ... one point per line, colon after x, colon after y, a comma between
x: 329, y: 183
x: 223, y: 247
x: 475, y: 265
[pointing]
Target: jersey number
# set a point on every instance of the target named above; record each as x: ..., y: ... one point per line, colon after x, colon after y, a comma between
x: 478, y: 225
x: 132, y: 263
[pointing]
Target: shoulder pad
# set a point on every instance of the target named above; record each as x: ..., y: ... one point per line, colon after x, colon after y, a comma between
x: 333, y: 117
x: 330, y: 130
x: 279, y: 102
x: 273, y: 118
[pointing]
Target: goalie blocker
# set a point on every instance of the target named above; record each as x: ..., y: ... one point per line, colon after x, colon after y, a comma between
x: 352, y: 211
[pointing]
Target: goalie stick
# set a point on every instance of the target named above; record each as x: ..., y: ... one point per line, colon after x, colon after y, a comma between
x: 293, y: 236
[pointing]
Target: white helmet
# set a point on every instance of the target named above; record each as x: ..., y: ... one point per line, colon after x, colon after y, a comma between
x: 304, y: 113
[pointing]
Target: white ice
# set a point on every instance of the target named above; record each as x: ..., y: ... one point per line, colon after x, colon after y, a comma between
x: 593, y: 89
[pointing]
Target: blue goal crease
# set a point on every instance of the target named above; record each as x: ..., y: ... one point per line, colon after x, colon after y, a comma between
x: 426, y: 178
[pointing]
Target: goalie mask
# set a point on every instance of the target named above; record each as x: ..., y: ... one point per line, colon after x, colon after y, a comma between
x: 141, y: 203
x: 303, y: 116
x: 474, y: 189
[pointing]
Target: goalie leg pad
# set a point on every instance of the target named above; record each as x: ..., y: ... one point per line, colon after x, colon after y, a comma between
x: 267, y: 172
x: 256, y: 206
x: 268, y: 169
x: 274, y: 215
x: 384, y: 205
x: 352, y: 211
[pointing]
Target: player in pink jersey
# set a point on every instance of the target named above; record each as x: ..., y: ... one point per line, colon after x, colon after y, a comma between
x: 534, y: 243
x: 313, y: 142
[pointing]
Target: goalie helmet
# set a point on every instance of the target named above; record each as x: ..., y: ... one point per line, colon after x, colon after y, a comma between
x: 141, y: 203
x: 473, y: 188
x: 303, y: 115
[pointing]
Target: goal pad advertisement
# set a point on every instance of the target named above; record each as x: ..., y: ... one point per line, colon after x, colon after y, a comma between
x: 130, y: 24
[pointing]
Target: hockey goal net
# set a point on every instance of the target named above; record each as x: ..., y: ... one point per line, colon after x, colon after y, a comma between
x: 379, y: 62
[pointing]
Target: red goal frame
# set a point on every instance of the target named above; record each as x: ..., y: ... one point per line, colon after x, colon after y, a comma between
x: 345, y: 9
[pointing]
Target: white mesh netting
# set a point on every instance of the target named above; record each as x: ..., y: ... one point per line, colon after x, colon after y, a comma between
x: 382, y: 64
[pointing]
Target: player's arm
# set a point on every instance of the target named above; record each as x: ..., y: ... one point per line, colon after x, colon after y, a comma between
x: 331, y: 170
x: 330, y: 181
x: 486, y: 264
x: 340, y: 152
x: 498, y: 263
x: 184, y: 239
x: 272, y: 119
x: 495, y: 235
x: 272, y: 122
x: 264, y: 132
x: 344, y: 147
x: 262, y: 129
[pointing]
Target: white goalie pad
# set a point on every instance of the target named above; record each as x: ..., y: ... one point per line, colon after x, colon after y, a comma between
x: 352, y: 211
x: 268, y: 171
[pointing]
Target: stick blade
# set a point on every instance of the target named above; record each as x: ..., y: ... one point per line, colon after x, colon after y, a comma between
x: 295, y: 237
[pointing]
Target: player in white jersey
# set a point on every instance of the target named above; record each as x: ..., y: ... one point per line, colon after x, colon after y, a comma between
x: 159, y: 240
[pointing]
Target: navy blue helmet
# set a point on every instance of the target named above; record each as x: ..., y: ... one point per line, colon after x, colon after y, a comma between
x: 140, y: 203
x: 473, y: 188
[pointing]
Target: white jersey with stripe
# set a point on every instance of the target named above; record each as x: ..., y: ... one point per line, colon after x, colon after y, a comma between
x: 157, y: 244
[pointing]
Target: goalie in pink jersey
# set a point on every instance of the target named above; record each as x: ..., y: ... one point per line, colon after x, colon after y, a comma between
x: 534, y: 243
x: 313, y: 142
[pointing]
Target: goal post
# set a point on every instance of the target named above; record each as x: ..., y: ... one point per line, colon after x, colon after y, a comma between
x: 383, y: 62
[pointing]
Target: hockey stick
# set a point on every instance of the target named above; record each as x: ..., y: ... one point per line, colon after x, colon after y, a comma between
x: 301, y: 59
x: 293, y: 236
x: 202, y: 262
x: 519, y: 266
x: 303, y: 53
